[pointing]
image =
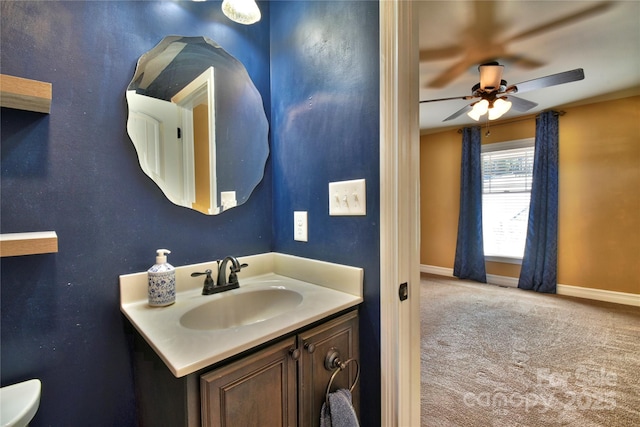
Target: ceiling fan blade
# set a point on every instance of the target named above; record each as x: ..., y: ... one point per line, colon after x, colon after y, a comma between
x: 551, y: 80
x: 522, y: 61
x: 481, y: 32
x: 458, y: 113
x: 450, y: 74
x: 485, y: 25
x: 466, y: 98
x: 565, y: 20
x: 440, y: 53
x: 521, y: 104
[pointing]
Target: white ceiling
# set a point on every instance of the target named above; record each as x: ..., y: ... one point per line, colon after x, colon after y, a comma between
x: 601, y: 37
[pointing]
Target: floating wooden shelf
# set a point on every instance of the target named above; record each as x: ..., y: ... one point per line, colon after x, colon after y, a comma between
x: 25, y: 94
x: 40, y: 242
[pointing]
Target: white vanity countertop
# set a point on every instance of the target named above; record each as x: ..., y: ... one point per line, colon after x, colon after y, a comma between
x: 326, y: 289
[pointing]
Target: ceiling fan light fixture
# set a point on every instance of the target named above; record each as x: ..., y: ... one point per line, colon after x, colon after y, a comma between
x: 244, y: 12
x: 499, y: 108
x: 479, y: 109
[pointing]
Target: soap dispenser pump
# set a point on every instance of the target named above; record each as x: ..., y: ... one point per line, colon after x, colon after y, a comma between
x: 162, y: 281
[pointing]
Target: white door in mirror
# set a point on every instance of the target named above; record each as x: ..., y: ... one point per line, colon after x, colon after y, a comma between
x: 300, y: 226
x: 348, y: 198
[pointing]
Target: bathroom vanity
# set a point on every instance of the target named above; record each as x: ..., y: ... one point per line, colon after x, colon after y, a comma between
x: 197, y: 364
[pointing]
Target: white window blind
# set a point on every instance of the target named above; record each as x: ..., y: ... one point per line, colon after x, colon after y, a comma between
x: 507, y: 171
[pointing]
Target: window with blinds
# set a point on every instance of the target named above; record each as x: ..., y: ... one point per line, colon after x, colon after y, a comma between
x: 507, y: 171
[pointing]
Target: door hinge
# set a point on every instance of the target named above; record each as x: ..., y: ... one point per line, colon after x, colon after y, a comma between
x: 403, y: 291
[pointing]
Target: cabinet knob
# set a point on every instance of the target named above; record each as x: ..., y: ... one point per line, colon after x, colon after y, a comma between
x: 294, y: 353
x: 310, y: 347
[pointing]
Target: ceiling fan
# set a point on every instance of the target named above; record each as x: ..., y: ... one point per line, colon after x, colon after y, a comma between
x: 484, y: 39
x: 496, y: 98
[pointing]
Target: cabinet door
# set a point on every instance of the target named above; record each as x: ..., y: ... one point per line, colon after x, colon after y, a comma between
x: 258, y: 390
x: 342, y: 334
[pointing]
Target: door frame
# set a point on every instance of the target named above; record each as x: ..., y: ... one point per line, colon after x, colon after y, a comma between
x: 399, y: 214
x: 199, y: 90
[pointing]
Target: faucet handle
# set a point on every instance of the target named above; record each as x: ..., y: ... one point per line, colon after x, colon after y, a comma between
x: 208, y: 282
x: 240, y: 267
x: 233, y: 277
x: 207, y: 272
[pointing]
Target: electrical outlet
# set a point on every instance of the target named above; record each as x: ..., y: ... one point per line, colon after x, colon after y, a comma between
x: 348, y: 198
x: 228, y: 199
x: 300, y: 226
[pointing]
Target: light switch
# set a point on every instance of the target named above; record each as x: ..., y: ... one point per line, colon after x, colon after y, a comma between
x: 348, y: 198
x: 300, y: 226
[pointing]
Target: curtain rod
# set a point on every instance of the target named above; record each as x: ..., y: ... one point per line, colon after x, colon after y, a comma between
x: 560, y: 113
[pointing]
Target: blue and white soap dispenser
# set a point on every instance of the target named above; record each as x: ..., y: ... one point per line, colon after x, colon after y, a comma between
x: 162, y: 281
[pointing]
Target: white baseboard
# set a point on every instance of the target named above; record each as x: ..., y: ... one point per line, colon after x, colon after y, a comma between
x: 492, y: 279
x: 568, y: 290
x: 433, y: 269
x: 510, y: 282
x: 599, y: 294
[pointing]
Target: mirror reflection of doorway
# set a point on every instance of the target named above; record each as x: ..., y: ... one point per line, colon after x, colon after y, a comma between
x: 196, y: 102
x: 202, y: 182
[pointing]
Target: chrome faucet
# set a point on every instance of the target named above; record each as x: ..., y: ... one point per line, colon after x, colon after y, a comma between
x: 223, y: 285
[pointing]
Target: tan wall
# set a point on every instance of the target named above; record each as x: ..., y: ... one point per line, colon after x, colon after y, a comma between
x: 201, y: 158
x: 599, y: 195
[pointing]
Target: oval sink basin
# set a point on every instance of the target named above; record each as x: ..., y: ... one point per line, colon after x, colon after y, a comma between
x: 241, y: 309
x: 19, y: 403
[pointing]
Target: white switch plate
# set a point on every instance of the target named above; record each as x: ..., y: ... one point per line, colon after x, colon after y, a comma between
x: 348, y: 198
x: 300, y: 226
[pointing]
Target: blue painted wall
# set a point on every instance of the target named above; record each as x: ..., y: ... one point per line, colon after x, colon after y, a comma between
x: 325, y: 121
x: 75, y: 171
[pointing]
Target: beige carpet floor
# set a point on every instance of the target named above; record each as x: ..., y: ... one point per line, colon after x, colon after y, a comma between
x: 494, y: 356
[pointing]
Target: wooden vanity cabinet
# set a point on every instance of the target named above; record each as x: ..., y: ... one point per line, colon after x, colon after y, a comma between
x: 341, y: 335
x: 284, y: 384
x: 280, y: 384
x: 258, y: 390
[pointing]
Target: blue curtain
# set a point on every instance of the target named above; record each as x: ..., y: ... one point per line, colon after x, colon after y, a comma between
x: 540, y: 262
x: 469, y: 261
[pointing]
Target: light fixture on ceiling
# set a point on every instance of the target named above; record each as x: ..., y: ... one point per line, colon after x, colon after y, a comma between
x: 499, y: 107
x: 241, y: 11
x: 479, y: 109
x: 496, y: 109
